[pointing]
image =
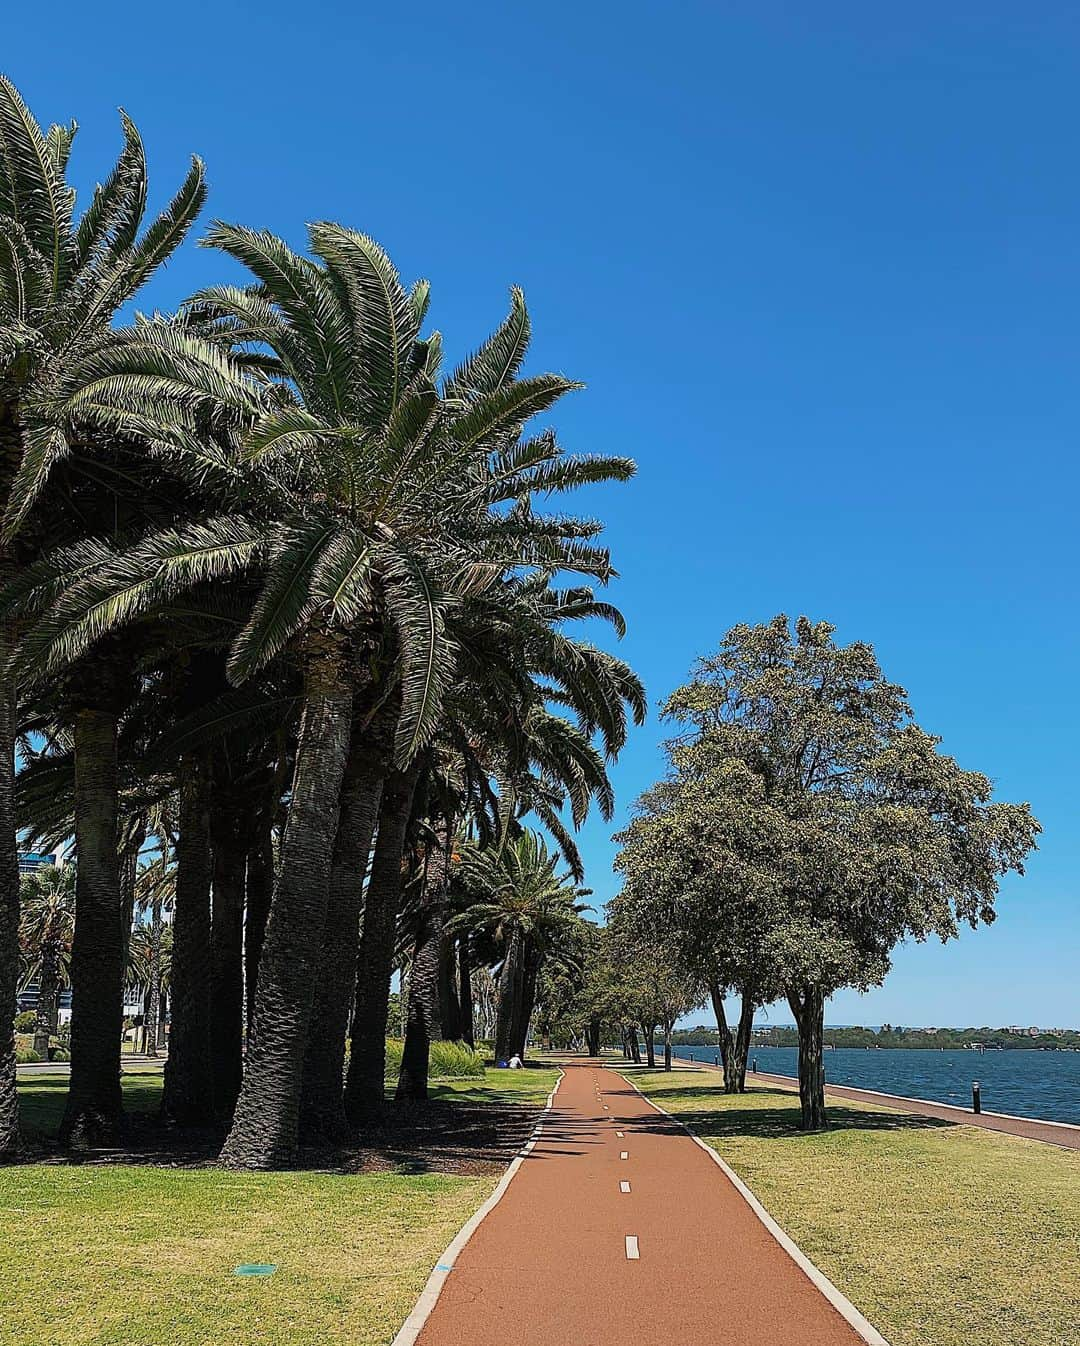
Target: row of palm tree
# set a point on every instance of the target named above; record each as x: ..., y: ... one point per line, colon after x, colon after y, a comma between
x: 279, y: 591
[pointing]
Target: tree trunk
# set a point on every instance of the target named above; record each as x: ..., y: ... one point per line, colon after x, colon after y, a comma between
x: 364, y: 1084
x: 741, y: 1047
x: 134, y: 837
x: 48, y: 1005
x: 322, y: 1108
x: 725, y: 1040
x: 648, y: 1032
x: 592, y: 1037
x: 809, y: 1011
x: 229, y: 842
x: 94, y: 1113
x: 153, y: 989
x: 423, y: 1021
x: 510, y: 978
x: 465, y: 1000
x: 449, y: 1004
x: 526, y: 1002
x: 635, y: 1051
x: 260, y: 888
x: 667, y: 1046
x: 188, y: 1095
x: 265, y: 1125
x: 9, y: 879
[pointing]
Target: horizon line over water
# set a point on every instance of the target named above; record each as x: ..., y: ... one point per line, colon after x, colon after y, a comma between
x: 1027, y: 1083
x: 769, y: 1025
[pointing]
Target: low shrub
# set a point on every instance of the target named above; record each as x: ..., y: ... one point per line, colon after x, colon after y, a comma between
x: 447, y: 1060
x: 25, y: 1022
x: 26, y: 1056
x: 59, y: 1054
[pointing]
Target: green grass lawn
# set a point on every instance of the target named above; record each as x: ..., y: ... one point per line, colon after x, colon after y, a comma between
x: 136, y: 1255
x: 942, y: 1235
x: 531, y: 1085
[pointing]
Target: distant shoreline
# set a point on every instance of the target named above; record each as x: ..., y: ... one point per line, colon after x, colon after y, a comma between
x: 901, y: 1039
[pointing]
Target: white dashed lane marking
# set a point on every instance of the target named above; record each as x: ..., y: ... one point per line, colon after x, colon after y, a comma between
x: 632, y: 1253
x: 625, y: 1154
x: 624, y: 1187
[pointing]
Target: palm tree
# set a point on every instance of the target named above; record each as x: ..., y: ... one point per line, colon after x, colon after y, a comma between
x: 155, y: 893
x: 62, y: 282
x: 533, y: 912
x: 48, y: 920
x: 397, y: 493
x: 149, y: 971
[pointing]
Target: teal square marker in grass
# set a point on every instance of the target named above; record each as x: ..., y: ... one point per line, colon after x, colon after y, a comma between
x: 255, y: 1269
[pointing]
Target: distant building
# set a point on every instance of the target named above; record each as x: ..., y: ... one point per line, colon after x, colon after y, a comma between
x: 29, y: 861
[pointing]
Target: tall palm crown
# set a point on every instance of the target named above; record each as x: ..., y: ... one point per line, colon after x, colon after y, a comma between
x: 62, y: 282
x: 517, y: 887
x: 372, y: 494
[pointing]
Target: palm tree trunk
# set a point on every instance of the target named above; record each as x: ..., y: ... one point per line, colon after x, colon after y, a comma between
x: 134, y: 835
x: 465, y: 1000
x: 153, y: 987
x: 260, y: 888
x: 510, y: 978
x: 322, y: 1108
x: 48, y: 997
x: 526, y: 1002
x: 9, y: 860
x: 188, y: 1096
x: 425, y: 1002
x: 364, y: 1084
x: 93, y: 1113
x: 265, y: 1127
x: 808, y: 1007
x: 229, y: 844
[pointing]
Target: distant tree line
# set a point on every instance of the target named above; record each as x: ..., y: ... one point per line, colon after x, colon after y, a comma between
x: 911, y: 1038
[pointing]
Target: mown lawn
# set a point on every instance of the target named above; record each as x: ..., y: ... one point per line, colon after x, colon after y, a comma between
x: 942, y: 1235
x: 139, y: 1255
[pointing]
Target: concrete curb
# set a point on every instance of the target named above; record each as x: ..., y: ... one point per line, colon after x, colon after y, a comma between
x: 846, y: 1309
x: 429, y: 1296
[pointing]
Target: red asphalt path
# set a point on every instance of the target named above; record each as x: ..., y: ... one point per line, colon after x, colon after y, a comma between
x: 549, y: 1266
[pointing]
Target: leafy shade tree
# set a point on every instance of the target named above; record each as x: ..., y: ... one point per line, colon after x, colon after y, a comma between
x: 48, y: 921
x: 63, y: 279
x: 655, y: 986
x: 697, y: 870
x: 869, y: 834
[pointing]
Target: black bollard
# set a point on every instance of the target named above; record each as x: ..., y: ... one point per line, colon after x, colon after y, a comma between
x: 754, y: 1067
x: 976, y: 1097
x: 716, y: 1060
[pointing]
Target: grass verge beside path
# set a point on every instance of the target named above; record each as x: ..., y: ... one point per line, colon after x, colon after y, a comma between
x: 138, y: 1255
x: 941, y: 1235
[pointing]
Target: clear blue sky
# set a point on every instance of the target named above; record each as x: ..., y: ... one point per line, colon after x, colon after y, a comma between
x: 820, y: 268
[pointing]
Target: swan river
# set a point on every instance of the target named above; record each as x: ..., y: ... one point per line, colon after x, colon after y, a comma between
x: 1027, y: 1084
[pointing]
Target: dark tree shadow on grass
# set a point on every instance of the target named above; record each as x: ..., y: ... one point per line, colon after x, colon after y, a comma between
x: 778, y: 1122
x: 448, y: 1135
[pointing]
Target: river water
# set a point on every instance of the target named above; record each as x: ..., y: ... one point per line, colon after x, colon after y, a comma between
x: 1027, y: 1084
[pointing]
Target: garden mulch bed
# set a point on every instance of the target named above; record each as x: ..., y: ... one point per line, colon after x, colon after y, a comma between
x: 467, y: 1139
